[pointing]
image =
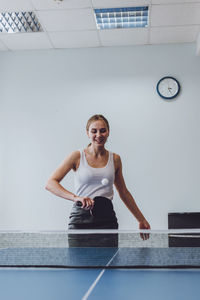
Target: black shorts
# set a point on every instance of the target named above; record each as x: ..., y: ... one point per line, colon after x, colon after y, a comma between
x: 82, y: 219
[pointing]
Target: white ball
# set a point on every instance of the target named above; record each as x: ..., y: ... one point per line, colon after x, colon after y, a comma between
x: 104, y: 181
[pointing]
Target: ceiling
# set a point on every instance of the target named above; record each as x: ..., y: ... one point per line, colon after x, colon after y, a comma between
x: 71, y: 24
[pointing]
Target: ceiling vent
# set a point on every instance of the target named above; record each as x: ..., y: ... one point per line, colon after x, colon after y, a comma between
x: 19, y: 22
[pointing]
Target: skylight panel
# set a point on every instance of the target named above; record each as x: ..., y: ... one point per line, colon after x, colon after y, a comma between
x: 123, y: 17
x: 19, y: 22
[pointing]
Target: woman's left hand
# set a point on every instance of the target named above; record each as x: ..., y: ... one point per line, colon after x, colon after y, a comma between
x: 144, y: 225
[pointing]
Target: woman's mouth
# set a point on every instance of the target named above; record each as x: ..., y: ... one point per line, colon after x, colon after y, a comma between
x: 99, y: 141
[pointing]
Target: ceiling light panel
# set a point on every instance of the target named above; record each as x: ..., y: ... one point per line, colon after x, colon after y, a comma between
x: 121, y: 17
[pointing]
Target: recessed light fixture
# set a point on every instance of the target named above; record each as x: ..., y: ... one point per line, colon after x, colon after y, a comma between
x: 123, y: 17
x: 19, y: 22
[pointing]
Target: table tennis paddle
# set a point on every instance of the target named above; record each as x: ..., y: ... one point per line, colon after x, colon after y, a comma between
x: 102, y: 207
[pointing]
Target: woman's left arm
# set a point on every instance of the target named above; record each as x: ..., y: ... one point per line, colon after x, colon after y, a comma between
x: 126, y: 196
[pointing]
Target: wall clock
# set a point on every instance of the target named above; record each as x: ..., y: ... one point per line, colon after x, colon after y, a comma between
x: 168, y: 87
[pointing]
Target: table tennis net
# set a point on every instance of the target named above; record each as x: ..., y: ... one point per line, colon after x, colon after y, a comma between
x: 101, y: 249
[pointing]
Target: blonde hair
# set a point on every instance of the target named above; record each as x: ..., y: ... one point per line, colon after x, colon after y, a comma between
x: 97, y: 118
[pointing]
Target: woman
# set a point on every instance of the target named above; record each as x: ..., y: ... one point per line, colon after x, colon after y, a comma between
x: 96, y: 170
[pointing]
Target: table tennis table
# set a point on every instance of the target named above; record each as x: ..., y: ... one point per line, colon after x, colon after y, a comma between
x: 118, y: 284
x: 43, y: 266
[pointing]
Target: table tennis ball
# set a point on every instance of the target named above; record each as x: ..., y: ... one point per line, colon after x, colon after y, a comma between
x: 104, y: 181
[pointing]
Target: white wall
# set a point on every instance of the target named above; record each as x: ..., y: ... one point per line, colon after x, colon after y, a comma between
x: 46, y: 99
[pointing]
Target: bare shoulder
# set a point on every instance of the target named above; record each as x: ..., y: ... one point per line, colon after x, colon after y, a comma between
x: 71, y: 160
x: 74, y: 159
x: 117, y: 161
x: 66, y: 165
x: 116, y: 157
x: 75, y: 154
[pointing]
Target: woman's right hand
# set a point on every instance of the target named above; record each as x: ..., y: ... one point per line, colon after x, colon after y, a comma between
x: 87, y: 203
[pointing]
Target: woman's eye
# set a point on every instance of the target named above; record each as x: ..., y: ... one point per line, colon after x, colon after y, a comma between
x: 101, y: 130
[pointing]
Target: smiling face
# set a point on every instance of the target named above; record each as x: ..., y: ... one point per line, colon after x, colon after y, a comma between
x: 98, y: 133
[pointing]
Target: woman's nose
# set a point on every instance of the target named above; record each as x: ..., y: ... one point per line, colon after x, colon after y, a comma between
x: 98, y: 133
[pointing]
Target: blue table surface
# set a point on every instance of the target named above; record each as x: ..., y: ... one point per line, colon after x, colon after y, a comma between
x: 117, y: 284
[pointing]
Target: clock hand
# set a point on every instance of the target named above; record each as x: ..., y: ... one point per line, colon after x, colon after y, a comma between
x: 169, y: 89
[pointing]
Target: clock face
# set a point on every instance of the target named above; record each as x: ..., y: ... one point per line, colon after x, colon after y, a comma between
x: 168, y: 87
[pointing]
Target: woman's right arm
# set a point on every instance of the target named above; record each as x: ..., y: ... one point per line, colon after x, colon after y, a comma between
x: 53, y: 183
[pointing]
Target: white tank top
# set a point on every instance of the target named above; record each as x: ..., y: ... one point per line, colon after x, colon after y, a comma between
x: 92, y: 182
